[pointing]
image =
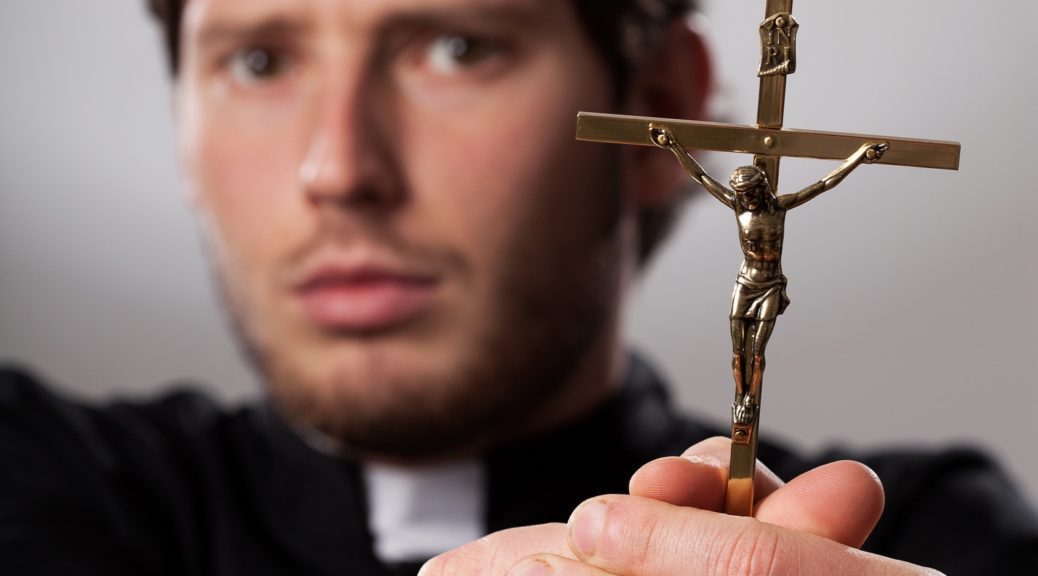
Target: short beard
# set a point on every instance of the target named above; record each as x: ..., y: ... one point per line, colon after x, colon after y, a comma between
x: 518, y: 366
x: 544, y: 327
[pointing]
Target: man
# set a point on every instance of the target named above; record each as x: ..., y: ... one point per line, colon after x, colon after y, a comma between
x: 429, y: 272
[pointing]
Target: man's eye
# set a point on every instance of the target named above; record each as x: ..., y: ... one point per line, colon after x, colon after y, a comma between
x: 454, y: 52
x: 252, y: 66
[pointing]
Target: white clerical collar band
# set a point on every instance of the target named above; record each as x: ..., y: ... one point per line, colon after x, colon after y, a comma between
x: 415, y: 513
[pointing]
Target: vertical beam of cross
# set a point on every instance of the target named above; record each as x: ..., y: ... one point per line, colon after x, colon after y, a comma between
x: 771, y: 100
x: 778, y: 59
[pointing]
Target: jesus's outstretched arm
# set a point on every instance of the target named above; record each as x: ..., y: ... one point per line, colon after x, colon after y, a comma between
x: 869, y: 153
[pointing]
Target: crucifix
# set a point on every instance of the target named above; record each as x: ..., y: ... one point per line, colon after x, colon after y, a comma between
x: 760, y: 290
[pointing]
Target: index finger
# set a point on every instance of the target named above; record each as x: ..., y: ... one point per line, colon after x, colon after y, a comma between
x: 698, y: 478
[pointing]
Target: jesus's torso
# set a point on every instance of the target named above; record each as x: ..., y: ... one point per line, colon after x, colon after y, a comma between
x: 760, y: 235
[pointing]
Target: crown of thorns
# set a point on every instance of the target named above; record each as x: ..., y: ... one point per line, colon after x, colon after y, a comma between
x: 747, y: 177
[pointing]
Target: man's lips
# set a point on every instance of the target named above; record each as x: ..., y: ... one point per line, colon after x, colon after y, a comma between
x: 365, y: 298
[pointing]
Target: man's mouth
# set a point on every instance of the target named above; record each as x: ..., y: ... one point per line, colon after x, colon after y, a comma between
x: 364, y: 298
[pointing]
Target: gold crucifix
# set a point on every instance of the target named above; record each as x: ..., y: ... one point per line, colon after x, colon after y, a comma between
x: 760, y: 290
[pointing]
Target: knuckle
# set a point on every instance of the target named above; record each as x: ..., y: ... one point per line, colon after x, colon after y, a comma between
x: 756, y: 550
x: 545, y: 562
x: 629, y: 537
x: 643, y: 551
x: 496, y: 552
x: 472, y: 558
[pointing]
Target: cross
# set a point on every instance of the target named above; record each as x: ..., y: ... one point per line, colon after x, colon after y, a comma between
x: 768, y: 142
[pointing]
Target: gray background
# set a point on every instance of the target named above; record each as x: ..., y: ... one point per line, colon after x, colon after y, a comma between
x: 915, y: 292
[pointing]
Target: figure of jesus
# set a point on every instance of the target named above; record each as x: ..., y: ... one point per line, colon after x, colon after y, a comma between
x: 760, y: 289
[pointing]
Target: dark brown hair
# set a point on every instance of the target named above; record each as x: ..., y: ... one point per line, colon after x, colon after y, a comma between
x: 622, y: 31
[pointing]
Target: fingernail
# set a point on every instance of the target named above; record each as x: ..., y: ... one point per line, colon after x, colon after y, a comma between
x: 535, y: 567
x: 586, y: 526
x: 706, y: 460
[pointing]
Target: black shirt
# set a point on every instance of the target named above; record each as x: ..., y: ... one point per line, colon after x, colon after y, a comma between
x: 179, y: 486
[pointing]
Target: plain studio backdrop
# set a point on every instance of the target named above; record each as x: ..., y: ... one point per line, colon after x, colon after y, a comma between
x: 914, y: 292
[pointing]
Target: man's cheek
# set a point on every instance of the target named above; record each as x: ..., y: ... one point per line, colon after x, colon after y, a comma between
x: 248, y: 189
x: 244, y: 228
x: 469, y: 192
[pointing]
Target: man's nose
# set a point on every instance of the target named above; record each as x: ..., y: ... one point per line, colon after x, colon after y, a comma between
x: 347, y: 159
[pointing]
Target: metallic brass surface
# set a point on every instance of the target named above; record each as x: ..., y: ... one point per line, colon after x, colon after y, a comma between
x: 778, y: 6
x: 771, y: 100
x: 759, y: 296
x: 740, y: 497
x: 699, y: 135
x: 772, y: 89
x: 778, y: 51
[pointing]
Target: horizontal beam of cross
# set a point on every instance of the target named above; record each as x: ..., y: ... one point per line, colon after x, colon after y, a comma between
x: 697, y: 135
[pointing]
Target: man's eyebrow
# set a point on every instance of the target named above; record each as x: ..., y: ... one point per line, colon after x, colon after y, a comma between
x: 222, y: 31
x: 520, y: 13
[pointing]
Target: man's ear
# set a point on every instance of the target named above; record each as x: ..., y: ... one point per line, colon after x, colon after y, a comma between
x: 676, y: 81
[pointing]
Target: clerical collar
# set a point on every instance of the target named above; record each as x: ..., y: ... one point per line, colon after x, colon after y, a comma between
x: 417, y: 512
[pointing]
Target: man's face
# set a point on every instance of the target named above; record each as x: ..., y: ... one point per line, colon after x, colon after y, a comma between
x: 412, y: 245
x: 750, y: 198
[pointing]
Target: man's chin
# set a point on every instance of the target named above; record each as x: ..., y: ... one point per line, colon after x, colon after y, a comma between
x: 376, y: 403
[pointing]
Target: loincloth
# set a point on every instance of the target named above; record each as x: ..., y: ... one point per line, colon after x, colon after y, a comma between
x: 759, y: 300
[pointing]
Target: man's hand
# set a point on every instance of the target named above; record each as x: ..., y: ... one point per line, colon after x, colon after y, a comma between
x: 671, y: 524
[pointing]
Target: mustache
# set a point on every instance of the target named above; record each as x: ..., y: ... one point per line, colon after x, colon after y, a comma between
x: 341, y: 232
